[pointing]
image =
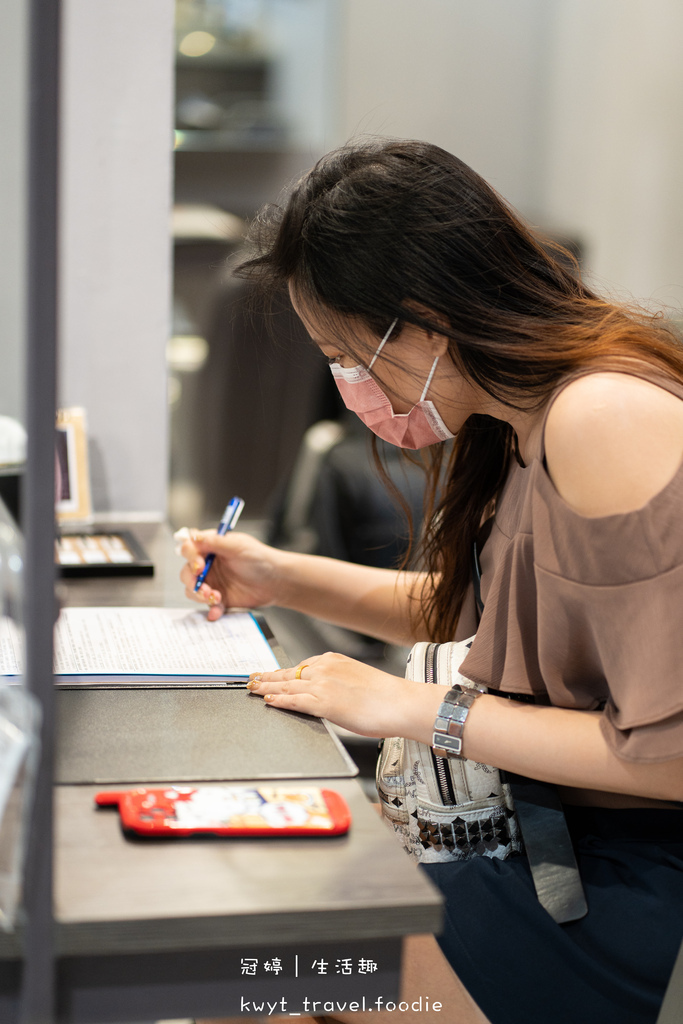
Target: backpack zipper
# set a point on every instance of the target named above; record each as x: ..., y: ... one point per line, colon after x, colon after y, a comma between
x: 440, y: 765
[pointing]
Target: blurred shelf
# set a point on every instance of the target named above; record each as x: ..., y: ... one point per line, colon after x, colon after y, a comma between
x: 226, y: 61
x: 198, y: 140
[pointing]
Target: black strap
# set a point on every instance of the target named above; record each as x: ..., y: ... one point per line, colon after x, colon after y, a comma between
x: 479, y: 542
x: 548, y: 848
x: 547, y: 842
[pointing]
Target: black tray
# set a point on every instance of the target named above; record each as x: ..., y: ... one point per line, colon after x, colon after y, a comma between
x: 139, y: 564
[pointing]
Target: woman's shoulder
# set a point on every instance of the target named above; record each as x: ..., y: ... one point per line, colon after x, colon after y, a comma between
x: 613, y: 441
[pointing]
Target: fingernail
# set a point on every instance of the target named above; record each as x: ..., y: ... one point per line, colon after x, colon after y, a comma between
x: 196, y: 566
x: 252, y: 684
x: 269, y: 696
x: 180, y: 536
x: 212, y: 599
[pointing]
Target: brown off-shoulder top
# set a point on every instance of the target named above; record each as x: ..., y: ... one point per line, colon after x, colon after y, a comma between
x: 586, y: 612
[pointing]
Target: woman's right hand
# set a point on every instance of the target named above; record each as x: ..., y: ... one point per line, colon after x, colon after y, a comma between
x: 243, y: 575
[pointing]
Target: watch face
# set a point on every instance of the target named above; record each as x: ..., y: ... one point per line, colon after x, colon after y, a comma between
x: 448, y: 746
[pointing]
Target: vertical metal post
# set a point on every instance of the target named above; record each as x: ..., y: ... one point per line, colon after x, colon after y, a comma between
x: 38, y: 989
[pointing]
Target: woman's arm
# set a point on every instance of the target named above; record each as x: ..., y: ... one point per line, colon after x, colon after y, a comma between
x: 555, y: 745
x: 562, y: 746
x: 381, y: 603
x: 248, y: 574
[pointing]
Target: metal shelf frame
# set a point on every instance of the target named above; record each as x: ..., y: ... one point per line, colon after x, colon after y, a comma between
x: 37, y: 999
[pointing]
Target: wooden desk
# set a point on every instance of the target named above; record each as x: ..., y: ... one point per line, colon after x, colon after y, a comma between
x: 153, y: 929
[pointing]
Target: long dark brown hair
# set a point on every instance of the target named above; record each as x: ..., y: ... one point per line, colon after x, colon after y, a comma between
x: 387, y: 229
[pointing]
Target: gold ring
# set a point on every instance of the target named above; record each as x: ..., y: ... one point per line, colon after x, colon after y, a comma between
x: 297, y: 674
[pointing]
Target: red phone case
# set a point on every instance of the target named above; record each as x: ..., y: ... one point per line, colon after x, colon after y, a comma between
x: 269, y: 810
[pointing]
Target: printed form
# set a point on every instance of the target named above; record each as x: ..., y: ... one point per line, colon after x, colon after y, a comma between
x: 116, y: 643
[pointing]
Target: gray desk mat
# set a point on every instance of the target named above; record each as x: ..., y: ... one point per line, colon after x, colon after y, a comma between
x: 189, y: 735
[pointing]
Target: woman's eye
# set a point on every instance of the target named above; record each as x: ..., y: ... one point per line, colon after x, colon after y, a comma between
x: 334, y: 359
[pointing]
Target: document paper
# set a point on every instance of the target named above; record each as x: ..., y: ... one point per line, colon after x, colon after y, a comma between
x: 11, y: 647
x: 126, y: 642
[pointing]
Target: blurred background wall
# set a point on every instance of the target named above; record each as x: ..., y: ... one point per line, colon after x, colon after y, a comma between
x: 614, y: 141
x: 13, y: 109
x: 572, y: 109
x: 470, y: 77
x: 115, y: 195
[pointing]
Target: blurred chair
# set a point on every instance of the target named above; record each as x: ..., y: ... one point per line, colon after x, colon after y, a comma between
x: 294, y: 528
x: 337, y: 505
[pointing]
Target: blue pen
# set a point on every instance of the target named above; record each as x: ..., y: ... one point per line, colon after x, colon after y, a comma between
x: 228, y: 522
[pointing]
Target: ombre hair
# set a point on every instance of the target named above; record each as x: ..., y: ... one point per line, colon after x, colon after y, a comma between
x: 386, y: 229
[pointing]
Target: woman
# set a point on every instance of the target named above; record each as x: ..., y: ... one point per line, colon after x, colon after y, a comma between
x: 442, y: 316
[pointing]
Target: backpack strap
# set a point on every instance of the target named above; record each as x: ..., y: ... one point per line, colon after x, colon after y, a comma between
x: 541, y: 819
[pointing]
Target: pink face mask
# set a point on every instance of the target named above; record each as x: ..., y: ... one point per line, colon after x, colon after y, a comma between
x: 361, y: 394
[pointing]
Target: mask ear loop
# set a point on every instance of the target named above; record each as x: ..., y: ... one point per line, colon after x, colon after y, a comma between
x: 429, y: 379
x: 383, y: 343
x: 381, y: 346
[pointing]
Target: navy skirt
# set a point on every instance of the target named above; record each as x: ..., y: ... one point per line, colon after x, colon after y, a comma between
x: 611, y: 967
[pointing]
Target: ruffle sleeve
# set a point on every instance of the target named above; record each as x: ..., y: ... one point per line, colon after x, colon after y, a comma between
x: 588, y: 611
x: 609, y: 597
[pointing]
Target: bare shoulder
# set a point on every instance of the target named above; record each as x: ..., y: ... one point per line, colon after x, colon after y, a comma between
x: 612, y: 442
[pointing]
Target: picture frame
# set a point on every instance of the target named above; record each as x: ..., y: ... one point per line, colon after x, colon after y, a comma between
x: 73, y: 501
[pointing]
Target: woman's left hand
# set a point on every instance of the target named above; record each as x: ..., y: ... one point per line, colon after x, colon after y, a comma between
x: 350, y: 694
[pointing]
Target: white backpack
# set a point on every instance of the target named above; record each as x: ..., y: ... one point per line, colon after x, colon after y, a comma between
x: 444, y: 808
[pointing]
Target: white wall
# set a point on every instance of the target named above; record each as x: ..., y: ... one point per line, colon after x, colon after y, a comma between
x: 466, y: 75
x: 615, y: 140
x: 115, y: 246
x: 572, y: 109
x: 13, y: 136
x: 304, y: 37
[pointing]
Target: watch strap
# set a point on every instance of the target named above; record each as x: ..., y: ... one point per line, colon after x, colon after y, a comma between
x: 451, y: 718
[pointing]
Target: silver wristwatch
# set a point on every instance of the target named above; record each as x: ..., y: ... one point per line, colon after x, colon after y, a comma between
x: 451, y: 718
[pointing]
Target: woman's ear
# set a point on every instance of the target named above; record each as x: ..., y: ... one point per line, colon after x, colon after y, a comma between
x: 438, y: 343
x: 434, y: 334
